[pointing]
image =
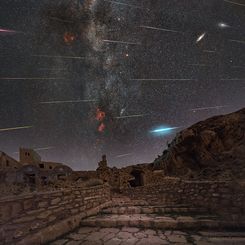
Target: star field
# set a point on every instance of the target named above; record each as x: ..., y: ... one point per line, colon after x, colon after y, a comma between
x: 84, y: 78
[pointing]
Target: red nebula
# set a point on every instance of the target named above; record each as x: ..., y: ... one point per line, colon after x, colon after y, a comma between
x: 100, y: 115
x: 101, y: 128
x: 69, y: 37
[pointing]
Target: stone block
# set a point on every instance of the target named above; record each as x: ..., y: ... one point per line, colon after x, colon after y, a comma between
x: 5, y: 213
x: 28, y: 204
x: 25, y: 219
x: 43, y: 204
x: 16, y: 208
x: 74, y: 211
x: 55, y: 201
x: 44, y: 214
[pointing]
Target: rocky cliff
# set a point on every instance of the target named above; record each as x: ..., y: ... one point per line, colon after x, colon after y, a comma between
x: 211, y: 149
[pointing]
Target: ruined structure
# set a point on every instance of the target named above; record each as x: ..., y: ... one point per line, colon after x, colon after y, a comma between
x: 141, y: 203
x: 8, y: 163
x: 31, y: 170
x: 127, y: 177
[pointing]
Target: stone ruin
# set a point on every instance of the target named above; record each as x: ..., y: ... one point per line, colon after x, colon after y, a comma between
x: 40, y: 201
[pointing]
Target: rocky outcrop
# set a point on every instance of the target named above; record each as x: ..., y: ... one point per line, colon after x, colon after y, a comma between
x: 214, y: 148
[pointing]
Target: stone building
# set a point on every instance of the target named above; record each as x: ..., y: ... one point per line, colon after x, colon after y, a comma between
x: 31, y: 169
x: 29, y: 157
x: 8, y: 163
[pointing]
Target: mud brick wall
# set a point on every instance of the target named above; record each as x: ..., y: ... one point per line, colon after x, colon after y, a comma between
x: 33, y: 218
x: 222, y: 197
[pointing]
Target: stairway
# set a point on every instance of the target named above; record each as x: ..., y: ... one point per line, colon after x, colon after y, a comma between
x: 135, y: 222
x: 140, y: 215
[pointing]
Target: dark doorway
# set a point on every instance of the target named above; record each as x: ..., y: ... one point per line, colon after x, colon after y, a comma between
x: 30, y: 179
x: 138, y: 178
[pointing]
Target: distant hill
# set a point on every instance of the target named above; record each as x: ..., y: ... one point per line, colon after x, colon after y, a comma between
x: 211, y: 149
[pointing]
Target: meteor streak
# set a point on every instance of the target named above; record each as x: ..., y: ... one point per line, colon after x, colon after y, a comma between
x: 235, y: 3
x: 237, y: 41
x: 208, y: 108
x: 32, y: 78
x: 164, y: 79
x: 124, y: 155
x: 122, y: 42
x: 199, y: 65
x: 223, y: 25
x: 232, y: 79
x: 58, y: 56
x: 39, y: 149
x: 51, y: 69
x: 238, y: 66
x: 160, y: 29
x: 67, y: 101
x: 124, y: 4
x: 209, y: 51
x: 61, y: 20
x: 201, y: 37
x: 7, y: 31
x: 131, y: 116
x: 163, y: 130
x: 15, y: 128
x: 44, y: 148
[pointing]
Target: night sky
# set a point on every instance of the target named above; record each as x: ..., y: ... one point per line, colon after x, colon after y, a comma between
x: 84, y: 78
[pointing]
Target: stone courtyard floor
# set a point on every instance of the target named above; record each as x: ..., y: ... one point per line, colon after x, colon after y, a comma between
x: 137, y: 236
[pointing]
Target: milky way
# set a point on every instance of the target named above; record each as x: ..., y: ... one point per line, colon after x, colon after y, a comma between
x: 95, y: 77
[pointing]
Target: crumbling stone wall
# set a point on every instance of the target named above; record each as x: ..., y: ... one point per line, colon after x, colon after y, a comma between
x: 223, y: 197
x: 42, y: 217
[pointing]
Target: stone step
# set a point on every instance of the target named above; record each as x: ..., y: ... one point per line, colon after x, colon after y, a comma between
x: 160, y: 222
x: 153, y: 209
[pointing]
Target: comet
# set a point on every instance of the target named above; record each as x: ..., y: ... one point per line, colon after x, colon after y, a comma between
x: 15, y: 128
x: 201, y: 37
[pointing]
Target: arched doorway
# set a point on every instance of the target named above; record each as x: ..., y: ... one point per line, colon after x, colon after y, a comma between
x: 138, y: 178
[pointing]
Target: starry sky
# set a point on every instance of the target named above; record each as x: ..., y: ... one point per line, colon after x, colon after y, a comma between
x: 82, y: 78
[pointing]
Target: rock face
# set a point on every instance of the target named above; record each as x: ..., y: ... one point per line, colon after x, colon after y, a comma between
x: 214, y: 148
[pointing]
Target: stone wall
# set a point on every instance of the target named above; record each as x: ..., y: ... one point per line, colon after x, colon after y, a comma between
x: 42, y: 217
x: 222, y: 197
